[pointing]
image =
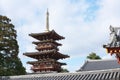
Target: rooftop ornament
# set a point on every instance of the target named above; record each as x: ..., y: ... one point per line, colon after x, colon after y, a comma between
x: 113, y: 46
x: 47, y: 21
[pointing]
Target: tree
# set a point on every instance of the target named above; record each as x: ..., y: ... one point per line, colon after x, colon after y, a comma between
x: 64, y: 70
x: 93, y: 56
x: 10, y: 64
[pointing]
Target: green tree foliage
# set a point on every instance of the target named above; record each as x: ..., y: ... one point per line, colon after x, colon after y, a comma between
x: 10, y: 64
x: 64, y: 70
x: 93, y: 56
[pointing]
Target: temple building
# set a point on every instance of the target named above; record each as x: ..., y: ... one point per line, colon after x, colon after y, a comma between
x: 113, y: 46
x: 105, y: 64
x: 48, y: 53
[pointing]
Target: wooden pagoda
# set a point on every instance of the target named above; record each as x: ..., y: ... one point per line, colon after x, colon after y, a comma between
x: 48, y: 53
x: 113, y: 47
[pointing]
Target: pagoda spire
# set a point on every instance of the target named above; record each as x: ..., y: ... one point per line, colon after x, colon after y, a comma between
x: 47, y: 21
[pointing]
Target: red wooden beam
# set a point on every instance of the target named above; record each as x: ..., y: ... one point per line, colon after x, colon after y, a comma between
x: 114, y: 50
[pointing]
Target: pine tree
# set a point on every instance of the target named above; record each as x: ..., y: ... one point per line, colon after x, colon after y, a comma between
x: 93, y: 56
x: 10, y: 64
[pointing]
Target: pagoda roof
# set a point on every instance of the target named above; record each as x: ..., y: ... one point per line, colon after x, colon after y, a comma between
x: 47, y: 35
x: 51, y: 54
x: 33, y: 62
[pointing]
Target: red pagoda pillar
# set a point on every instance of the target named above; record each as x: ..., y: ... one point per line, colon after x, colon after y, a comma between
x: 48, y: 53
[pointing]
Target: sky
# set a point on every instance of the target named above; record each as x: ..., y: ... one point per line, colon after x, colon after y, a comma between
x: 83, y: 23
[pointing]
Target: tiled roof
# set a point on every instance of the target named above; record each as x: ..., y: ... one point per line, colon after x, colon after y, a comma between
x: 52, y: 53
x: 91, y: 65
x: 50, y: 34
x: 113, y: 74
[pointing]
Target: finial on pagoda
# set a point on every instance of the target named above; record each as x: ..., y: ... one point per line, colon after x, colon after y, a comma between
x: 47, y: 21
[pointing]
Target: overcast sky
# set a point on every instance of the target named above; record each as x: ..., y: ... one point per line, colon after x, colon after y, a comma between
x: 83, y: 23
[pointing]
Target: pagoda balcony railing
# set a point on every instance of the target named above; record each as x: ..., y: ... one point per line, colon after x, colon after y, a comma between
x: 52, y: 50
x: 45, y: 67
x: 45, y: 47
x: 50, y: 67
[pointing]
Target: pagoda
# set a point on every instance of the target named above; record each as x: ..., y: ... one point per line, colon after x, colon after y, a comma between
x: 113, y: 46
x: 47, y: 54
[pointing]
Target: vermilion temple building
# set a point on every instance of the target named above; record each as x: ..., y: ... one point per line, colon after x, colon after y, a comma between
x: 48, y: 53
x: 113, y: 46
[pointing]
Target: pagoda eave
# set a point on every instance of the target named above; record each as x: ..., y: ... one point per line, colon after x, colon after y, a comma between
x: 38, y: 55
x: 34, y: 62
x: 50, y: 35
